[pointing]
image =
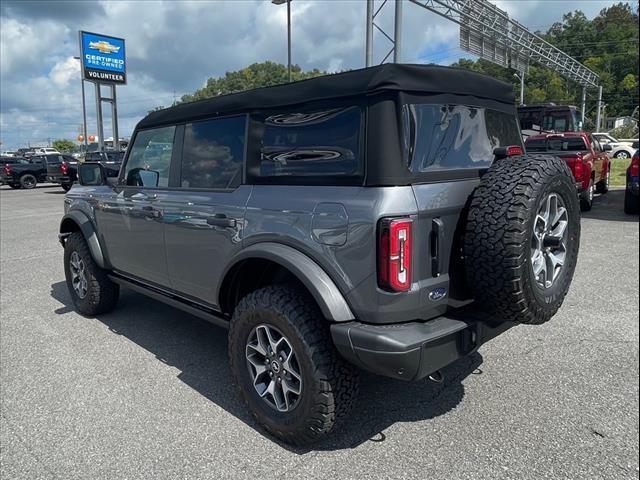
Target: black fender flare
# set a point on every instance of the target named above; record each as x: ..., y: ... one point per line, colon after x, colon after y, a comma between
x: 88, y: 231
x: 325, y: 292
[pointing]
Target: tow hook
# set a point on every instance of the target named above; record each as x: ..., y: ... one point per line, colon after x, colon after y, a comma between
x: 437, y: 377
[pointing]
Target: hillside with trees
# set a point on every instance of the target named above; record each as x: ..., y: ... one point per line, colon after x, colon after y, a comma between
x: 608, y: 45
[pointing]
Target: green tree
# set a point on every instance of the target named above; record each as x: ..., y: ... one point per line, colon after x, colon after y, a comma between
x: 64, y: 146
x: 254, y: 76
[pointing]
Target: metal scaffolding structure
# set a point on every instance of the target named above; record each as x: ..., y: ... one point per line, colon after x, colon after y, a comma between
x: 488, y: 32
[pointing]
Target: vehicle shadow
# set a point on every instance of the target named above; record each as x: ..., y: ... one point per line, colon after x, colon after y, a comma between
x: 610, y: 207
x: 199, y: 351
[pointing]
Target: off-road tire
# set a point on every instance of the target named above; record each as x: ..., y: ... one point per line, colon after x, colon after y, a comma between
x: 602, y: 186
x: 66, y: 186
x: 329, y: 383
x: 28, y: 181
x: 631, y: 203
x: 586, y: 197
x: 102, y: 293
x: 498, y: 238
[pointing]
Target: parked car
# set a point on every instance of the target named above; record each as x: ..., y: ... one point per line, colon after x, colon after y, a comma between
x: 370, y: 218
x: 28, y: 175
x: 619, y: 149
x: 46, y: 151
x: 9, y: 153
x: 586, y: 158
x: 63, y: 172
x: 631, y: 202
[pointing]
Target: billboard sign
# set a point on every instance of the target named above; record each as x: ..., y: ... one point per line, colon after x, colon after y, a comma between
x: 103, y: 58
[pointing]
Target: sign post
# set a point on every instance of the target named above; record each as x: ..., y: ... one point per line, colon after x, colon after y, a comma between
x: 103, y: 62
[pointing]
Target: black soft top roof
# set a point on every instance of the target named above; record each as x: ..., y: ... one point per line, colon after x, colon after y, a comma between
x: 418, y: 79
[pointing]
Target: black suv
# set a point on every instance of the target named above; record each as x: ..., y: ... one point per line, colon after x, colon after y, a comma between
x: 384, y: 219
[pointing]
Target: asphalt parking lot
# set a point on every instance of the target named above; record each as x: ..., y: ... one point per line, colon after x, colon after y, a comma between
x: 144, y: 392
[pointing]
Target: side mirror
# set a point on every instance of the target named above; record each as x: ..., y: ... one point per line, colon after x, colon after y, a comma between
x: 91, y: 174
x: 606, y: 147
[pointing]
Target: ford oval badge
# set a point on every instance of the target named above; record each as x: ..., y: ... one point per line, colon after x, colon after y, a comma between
x: 437, y: 294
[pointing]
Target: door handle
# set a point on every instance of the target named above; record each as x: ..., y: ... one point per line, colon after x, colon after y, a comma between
x: 221, y: 220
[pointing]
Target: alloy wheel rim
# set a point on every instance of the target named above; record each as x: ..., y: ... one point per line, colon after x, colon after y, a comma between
x: 78, y: 276
x: 549, y: 240
x: 622, y: 155
x: 28, y: 182
x: 273, y: 367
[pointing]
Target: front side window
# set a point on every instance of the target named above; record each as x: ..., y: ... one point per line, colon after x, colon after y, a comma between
x: 312, y: 144
x: 442, y: 137
x: 150, y: 158
x: 213, y: 153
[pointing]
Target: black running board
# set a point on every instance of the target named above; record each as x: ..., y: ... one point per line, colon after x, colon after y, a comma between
x: 208, y: 314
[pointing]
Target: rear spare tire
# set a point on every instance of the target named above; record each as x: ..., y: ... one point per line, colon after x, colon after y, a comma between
x: 522, y: 238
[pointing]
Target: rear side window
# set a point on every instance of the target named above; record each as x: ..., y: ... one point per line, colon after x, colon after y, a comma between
x: 150, y: 158
x: 451, y: 137
x: 320, y: 144
x: 213, y: 153
x: 555, y: 144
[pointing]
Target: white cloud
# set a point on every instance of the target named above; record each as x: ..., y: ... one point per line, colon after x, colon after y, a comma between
x: 175, y: 46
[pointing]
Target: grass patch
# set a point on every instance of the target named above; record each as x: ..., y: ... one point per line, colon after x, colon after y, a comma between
x: 619, y: 171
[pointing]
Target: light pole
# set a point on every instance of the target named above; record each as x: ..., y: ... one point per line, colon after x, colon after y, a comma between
x: 84, y: 109
x: 288, y: 2
x: 521, y: 78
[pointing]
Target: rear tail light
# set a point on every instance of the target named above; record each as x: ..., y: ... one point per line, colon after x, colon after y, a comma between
x: 513, y: 150
x: 7, y: 169
x: 64, y: 168
x: 394, y: 254
x: 578, y: 168
x: 634, y: 171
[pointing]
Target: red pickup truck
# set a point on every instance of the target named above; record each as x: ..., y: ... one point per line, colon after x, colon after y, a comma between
x: 584, y: 155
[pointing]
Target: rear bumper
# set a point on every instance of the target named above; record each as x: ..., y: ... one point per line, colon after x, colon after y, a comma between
x: 411, y: 351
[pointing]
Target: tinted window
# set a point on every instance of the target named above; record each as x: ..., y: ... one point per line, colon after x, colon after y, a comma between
x: 530, y: 120
x: 213, y: 153
x: 557, y: 144
x: 455, y: 136
x: 115, y: 156
x: 150, y: 158
x: 311, y: 144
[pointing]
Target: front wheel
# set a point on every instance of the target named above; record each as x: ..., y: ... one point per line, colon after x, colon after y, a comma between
x: 586, y: 197
x: 603, y: 185
x: 91, y: 290
x: 622, y: 155
x: 286, y: 367
x: 66, y: 187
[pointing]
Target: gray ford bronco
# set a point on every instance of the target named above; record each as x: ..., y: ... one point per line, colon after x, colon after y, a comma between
x: 384, y: 219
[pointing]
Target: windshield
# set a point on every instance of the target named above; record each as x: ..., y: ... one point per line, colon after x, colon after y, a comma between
x: 575, y: 144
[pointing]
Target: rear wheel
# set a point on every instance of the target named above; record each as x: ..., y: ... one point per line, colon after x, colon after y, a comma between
x: 586, y: 197
x: 286, y: 367
x: 66, y: 187
x: 522, y: 238
x: 28, y: 181
x: 91, y: 290
x: 631, y: 203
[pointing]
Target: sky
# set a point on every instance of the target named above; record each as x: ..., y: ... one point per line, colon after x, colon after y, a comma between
x: 174, y: 46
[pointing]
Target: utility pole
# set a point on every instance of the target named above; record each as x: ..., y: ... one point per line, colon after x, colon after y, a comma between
x: 397, y: 33
x: 369, y: 42
x: 599, y: 109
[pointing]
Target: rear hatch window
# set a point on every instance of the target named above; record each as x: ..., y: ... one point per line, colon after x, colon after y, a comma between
x: 453, y: 137
x: 555, y: 144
